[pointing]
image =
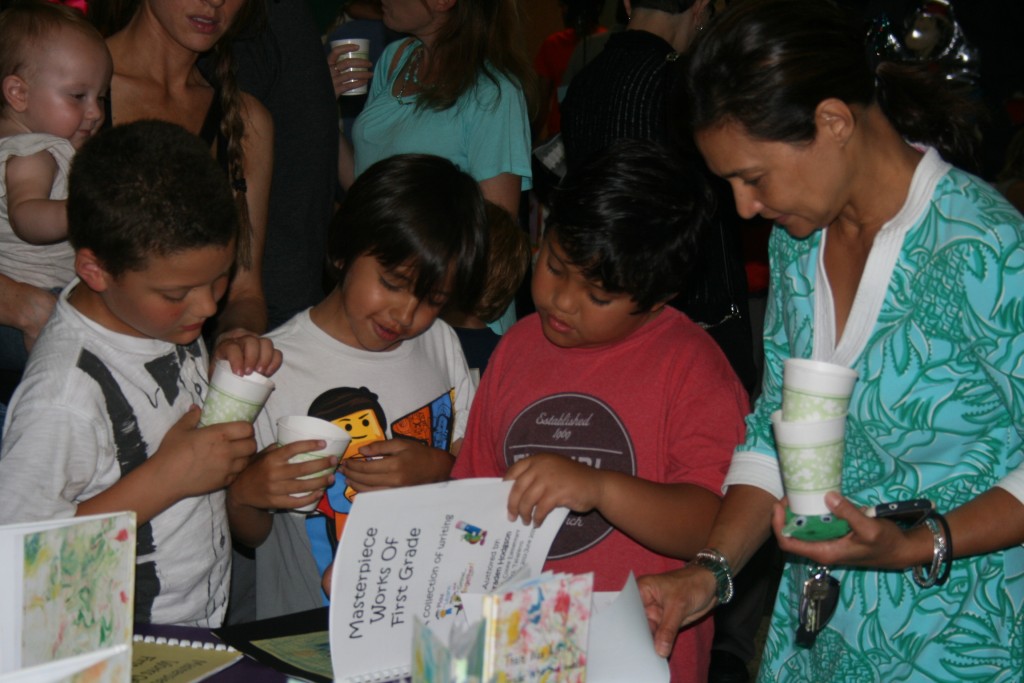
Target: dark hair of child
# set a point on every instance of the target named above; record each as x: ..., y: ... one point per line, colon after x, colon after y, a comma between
x: 420, y: 211
x: 35, y: 22
x: 508, y: 260
x: 147, y: 188
x: 630, y: 220
x: 769, y: 70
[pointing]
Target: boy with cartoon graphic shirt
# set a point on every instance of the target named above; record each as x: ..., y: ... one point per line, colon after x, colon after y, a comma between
x: 373, y: 358
x: 607, y: 401
x: 105, y: 417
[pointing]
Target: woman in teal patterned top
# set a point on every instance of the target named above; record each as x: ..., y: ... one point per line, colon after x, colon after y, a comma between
x: 888, y: 260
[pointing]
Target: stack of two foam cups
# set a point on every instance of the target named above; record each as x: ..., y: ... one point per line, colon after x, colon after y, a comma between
x: 810, y: 436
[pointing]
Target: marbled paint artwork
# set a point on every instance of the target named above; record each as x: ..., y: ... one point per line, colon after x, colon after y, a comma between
x: 78, y: 588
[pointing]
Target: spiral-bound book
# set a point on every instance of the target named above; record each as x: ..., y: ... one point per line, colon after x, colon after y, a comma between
x: 414, y: 551
x: 179, y: 660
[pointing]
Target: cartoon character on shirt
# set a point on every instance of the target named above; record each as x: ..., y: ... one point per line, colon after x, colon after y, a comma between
x: 359, y: 412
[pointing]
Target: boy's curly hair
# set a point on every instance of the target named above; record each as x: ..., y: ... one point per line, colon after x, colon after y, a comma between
x: 147, y: 188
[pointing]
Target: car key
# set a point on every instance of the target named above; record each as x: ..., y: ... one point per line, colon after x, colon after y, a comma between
x: 818, y: 599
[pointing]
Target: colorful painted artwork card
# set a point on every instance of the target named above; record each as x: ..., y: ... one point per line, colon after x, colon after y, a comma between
x: 538, y: 631
x: 69, y: 590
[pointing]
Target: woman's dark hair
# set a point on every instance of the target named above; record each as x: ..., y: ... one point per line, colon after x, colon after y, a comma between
x: 415, y: 210
x: 479, y: 37
x: 767, y: 64
x: 630, y: 220
x: 111, y: 16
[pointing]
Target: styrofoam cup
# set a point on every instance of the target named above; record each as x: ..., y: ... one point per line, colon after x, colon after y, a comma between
x: 234, y: 398
x: 362, y: 52
x: 813, y: 390
x: 811, y: 459
x: 294, y: 428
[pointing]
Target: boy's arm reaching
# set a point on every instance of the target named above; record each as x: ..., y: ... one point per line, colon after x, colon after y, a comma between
x: 671, y: 519
x: 189, y: 462
x: 35, y: 218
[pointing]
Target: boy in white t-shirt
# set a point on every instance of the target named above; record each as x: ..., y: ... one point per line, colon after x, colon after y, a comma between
x: 105, y: 417
x: 373, y: 358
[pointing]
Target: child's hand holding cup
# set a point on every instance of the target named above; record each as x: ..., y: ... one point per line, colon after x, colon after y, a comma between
x: 294, y: 428
x: 234, y: 398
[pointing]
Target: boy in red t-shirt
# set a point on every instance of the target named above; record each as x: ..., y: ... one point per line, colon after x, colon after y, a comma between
x: 607, y: 401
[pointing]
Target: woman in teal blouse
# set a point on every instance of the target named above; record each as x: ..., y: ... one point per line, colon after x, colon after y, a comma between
x: 888, y: 260
x: 454, y: 88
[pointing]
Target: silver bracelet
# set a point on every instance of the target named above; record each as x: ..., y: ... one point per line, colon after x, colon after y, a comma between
x: 715, y: 562
x: 938, y: 571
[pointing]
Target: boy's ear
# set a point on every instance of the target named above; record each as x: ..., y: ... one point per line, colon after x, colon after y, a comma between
x: 15, y: 91
x: 91, y: 270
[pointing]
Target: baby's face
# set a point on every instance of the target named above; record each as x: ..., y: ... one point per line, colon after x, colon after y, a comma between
x: 65, y: 87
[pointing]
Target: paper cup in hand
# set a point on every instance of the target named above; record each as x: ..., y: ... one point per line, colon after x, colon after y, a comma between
x: 234, y: 398
x: 361, y: 52
x: 811, y: 459
x: 812, y: 390
x: 302, y: 428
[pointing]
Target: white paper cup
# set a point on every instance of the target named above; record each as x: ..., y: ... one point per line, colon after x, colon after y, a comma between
x: 302, y: 428
x: 234, y: 398
x: 813, y: 390
x: 811, y: 460
x: 362, y: 52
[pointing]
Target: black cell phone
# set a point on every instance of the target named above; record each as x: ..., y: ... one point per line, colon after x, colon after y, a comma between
x: 906, y: 513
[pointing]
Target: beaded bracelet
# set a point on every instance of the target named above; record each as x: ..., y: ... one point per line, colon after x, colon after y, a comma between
x: 942, y: 553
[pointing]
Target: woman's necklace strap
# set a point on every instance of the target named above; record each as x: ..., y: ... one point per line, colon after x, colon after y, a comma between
x: 411, y: 72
